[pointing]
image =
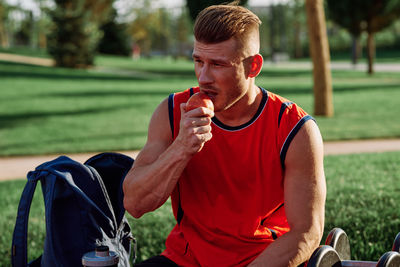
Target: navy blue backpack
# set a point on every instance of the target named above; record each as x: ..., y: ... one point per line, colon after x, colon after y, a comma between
x: 83, y: 209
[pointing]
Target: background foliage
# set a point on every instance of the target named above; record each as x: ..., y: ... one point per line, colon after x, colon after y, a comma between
x: 159, y: 30
x: 196, y: 6
x: 115, y: 39
x: 75, y: 33
x: 357, y: 16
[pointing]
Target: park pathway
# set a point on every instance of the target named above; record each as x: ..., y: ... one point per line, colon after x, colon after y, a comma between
x: 18, y: 167
x: 335, y: 65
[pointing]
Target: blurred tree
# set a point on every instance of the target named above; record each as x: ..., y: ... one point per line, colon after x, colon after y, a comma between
x: 182, y: 33
x: 195, y: 6
x: 349, y: 15
x: 319, y: 49
x: 151, y: 29
x: 3, y: 18
x: 298, y: 22
x: 263, y: 13
x: 43, y: 23
x: 75, y: 34
x: 142, y: 27
x: 115, y: 40
x: 24, y: 34
x: 379, y: 15
x: 279, y: 30
x: 284, y: 29
x: 161, y: 31
x: 357, y: 16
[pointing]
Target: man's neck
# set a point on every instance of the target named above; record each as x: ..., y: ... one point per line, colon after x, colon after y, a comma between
x: 243, y: 110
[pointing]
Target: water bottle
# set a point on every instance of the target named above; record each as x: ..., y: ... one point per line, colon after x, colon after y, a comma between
x: 102, y: 256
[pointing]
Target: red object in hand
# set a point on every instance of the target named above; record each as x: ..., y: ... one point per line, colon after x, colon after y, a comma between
x: 199, y: 99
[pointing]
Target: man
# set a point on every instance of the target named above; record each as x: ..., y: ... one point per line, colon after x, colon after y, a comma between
x: 246, y: 181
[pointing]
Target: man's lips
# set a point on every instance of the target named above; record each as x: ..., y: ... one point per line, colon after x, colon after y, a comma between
x: 211, y: 93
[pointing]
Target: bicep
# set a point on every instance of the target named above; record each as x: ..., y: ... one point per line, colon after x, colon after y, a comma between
x: 305, y: 188
x: 159, y: 136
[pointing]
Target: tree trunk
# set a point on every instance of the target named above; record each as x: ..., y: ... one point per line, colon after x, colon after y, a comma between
x: 371, y: 52
x: 42, y: 40
x: 272, y: 32
x: 355, y: 50
x: 319, y: 50
x: 298, y: 50
x: 3, y: 37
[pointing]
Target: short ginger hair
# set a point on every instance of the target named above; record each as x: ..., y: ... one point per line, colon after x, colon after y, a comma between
x: 220, y: 23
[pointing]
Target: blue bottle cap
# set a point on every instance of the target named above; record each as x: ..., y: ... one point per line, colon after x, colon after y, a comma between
x: 100, y: 257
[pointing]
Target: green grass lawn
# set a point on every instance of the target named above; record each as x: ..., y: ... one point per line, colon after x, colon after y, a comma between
x: 54, y: 110
x: 362, y: 199
x: 365, y: 106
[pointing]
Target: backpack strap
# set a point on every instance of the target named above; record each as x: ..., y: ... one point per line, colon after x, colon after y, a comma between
x: 112, y: 168
x: 19, y: 242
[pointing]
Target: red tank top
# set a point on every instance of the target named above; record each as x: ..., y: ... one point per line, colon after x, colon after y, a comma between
x: 229, y: 201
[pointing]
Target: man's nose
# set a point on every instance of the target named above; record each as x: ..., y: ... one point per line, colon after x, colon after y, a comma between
x: 205, y: 75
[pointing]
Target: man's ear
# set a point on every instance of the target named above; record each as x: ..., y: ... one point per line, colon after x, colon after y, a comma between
x: 256, y: 64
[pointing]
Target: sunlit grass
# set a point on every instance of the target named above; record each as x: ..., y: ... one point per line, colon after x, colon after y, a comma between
x: 362, y: 199
x: 55, y: 110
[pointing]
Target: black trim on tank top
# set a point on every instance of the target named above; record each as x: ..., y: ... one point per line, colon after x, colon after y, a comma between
x: 273, y: 232
x: 180, y: 212
x: 280, y: 206
x: 171, y: 109
x: 284, y: 106
x: 258, y: 113
x: 290, y: 137
x: 171, y: 112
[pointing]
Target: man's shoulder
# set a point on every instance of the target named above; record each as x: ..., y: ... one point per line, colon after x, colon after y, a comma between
x: 281, y: 103
x: 277, y: 99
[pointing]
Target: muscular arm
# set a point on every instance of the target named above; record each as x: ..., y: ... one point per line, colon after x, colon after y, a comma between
x: 305, y: 192
x: 161, y: 161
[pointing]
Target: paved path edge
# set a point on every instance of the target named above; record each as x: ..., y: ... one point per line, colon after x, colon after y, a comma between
x: 17, y: 167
